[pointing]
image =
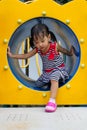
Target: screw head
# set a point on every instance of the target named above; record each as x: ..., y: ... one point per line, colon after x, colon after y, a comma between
x: 44, y: 13
x: 20, y: 87
x: 5, y: 41
x: 5, y: 67
x: 81, y: 40
x: 19, y: 21
x: 82, y: 65
x: 44, y: 95
x: 67, y: 21
x: 68, y: 86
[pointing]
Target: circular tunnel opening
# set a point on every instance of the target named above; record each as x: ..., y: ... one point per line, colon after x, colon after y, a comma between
x: 25, y: 71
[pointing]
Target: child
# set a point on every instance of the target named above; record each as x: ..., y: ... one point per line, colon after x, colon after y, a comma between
x: 53, y: 64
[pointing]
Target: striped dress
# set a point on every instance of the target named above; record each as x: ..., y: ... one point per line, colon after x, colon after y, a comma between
x: 53, y: 66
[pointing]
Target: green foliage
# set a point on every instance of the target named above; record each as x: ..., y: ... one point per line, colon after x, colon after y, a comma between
x: 62, y: 1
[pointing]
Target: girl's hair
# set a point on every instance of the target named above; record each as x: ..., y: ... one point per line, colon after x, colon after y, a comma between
x: 53, y: 38
x: 39, y: 31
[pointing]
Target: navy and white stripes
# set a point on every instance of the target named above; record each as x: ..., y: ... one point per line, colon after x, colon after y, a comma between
x: 53, y: 66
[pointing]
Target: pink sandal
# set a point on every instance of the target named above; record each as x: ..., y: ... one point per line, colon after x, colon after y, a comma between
x: 50, y: 107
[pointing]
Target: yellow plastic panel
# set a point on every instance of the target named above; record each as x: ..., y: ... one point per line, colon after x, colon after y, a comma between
x: 13, y: 13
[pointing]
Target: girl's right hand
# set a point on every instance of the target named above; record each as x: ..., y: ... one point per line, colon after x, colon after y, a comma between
x: 9, y: 52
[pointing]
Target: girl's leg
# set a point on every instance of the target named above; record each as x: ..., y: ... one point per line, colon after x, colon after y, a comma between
x: 54, y: 89
x: 51, y: 106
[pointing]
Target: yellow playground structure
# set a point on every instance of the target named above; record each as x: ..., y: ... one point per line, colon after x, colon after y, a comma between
x: 68, y: 22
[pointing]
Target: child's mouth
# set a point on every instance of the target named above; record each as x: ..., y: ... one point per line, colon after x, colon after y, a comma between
x: 42, y: 48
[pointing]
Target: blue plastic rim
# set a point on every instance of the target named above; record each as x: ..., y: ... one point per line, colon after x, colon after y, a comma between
x: 62, y: 33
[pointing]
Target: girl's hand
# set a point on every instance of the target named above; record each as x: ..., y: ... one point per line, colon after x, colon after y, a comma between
x: 72, y: 49
x: 9, y: 52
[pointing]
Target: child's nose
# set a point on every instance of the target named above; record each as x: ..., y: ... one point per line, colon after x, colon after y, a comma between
x: 40, y: 44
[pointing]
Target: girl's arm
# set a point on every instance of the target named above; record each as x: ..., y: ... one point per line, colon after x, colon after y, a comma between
x: 65, y: 51
x: 21, y: 56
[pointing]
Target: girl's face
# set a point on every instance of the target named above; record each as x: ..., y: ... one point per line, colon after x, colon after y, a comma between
x: 42, y: 43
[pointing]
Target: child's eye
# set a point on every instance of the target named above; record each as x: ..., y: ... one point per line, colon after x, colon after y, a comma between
x: 35, y: 42
x: 42, y: 41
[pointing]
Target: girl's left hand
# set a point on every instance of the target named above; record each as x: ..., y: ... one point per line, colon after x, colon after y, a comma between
x: 72, y: 50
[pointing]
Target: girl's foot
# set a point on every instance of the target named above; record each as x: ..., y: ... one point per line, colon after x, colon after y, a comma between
x: 50, y: 107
